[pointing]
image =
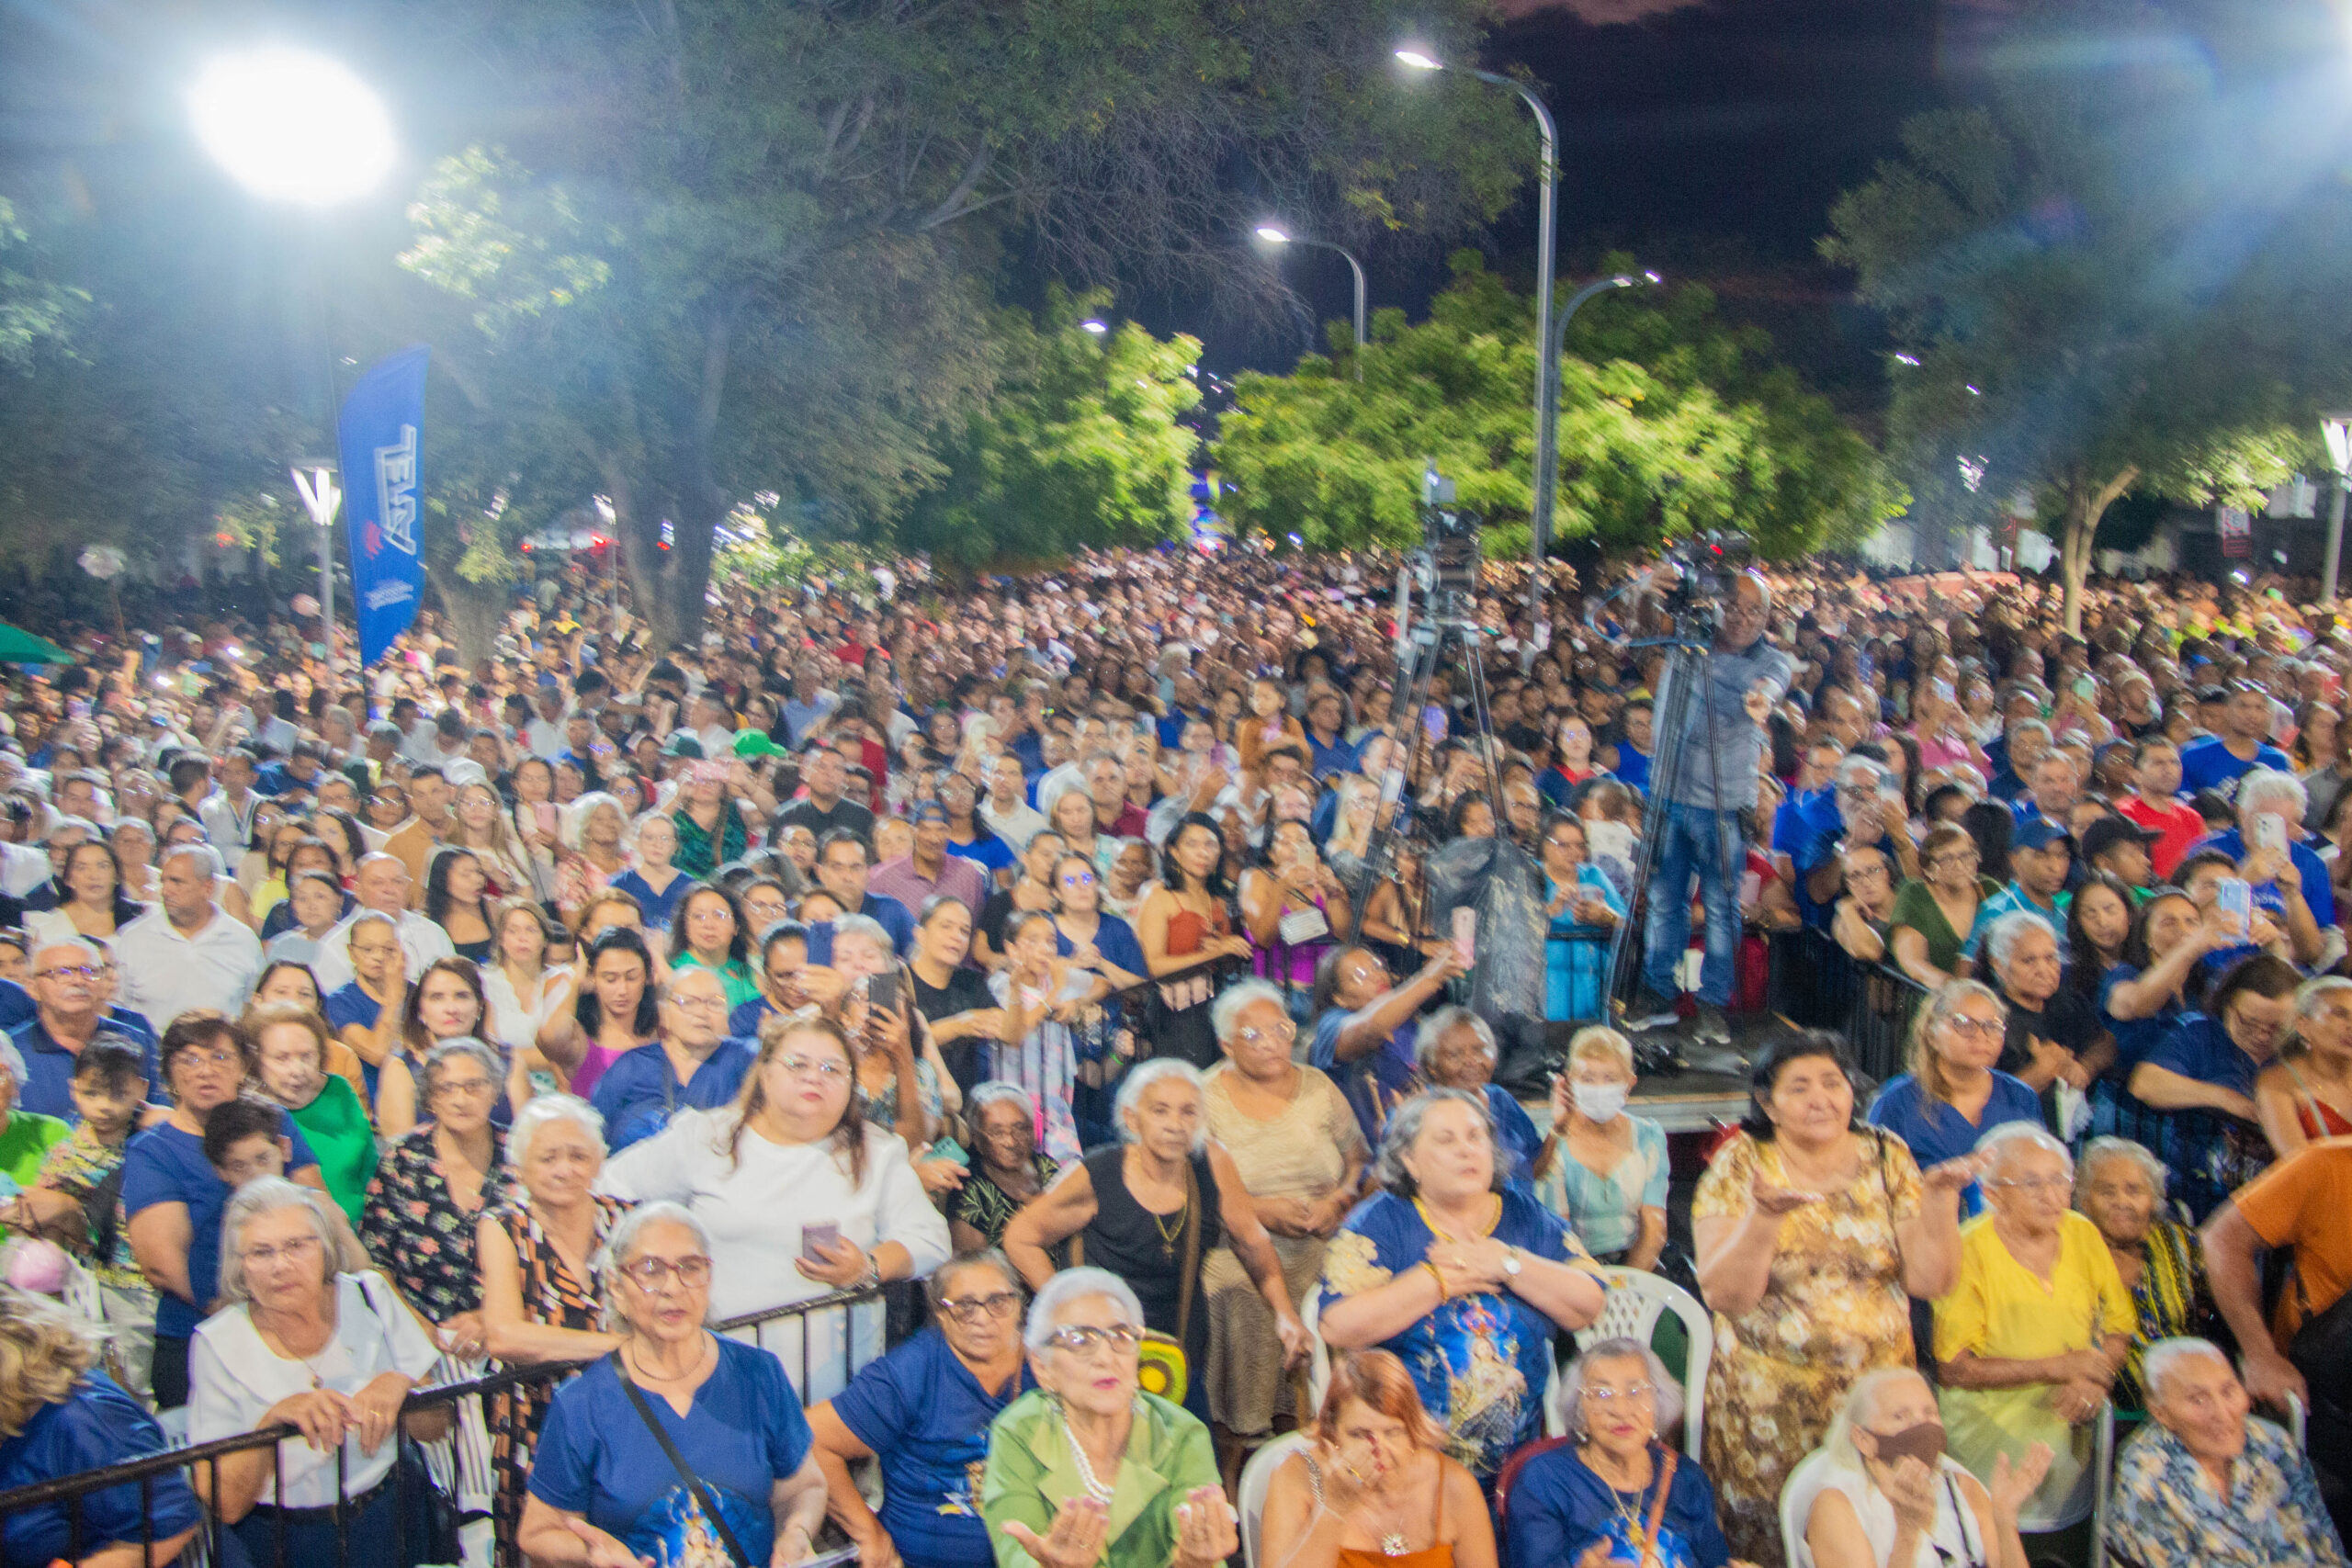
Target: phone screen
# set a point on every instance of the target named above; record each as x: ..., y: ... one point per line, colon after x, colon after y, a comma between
x: 2269, y: 831
x: 2235, y: 898
x: 1433, y: 721
x: 882, y: 991
x: 1466, y: 934
x: 814, y: 1232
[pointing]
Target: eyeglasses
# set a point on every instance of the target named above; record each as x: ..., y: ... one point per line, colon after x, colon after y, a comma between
x: 263, y: 1257
x: 971, y: 1309
x: 70, y: 972
x: 2035, y: 1184
x: 218, y: 1058
x: 1631, y: 1394
x: 476, y: 1089
x: 693, y: 1271
x: 822, y: 1068
x: 1078, y: 879
x: 1120, y: 1337
x: 1980, y: 1027
x: 1955, y: 857
x: 1280, y: 1034
x: 699, y: 1004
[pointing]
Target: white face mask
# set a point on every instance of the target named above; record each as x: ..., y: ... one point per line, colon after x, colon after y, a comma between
x: 1600, y: 1101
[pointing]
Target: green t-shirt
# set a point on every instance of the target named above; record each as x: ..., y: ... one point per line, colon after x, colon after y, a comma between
x: 336, y: 1125
x: 25, y: 1142
x: 1916, y: 908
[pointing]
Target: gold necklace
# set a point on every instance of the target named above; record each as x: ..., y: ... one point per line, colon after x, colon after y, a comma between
x: 1168, y: 1233
x: 1494, y: 1218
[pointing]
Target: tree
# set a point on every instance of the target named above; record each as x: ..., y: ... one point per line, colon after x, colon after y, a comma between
x: 1669, y: 421
x: 2112, y: 274
x: 1080, y: 446
x: 742, y: 247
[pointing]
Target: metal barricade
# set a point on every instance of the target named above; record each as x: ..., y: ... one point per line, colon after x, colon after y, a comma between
x: 1816, y: 984
x: 72, y: 1491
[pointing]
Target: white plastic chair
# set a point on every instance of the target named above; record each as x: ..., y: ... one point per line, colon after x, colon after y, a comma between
x: 1797, y: 1493
x: 1636, y: 1300
x: 2296, y: 1417
x: 1257, y: 1479
x: 2102, y: 1482
x: 1318, y: 1359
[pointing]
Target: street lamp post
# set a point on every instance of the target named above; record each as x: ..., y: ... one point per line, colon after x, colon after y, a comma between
x: 1274, y: 235
x: 297, y: 128
x: 1547, y: 368
x: 2336, y: 428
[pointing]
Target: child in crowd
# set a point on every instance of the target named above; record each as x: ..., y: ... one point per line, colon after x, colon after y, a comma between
x: 78, y: 1202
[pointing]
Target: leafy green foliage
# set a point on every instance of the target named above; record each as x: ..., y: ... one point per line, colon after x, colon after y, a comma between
x: 1670, y: 421
x: 34, y: 314
x: 1079, y: 447
x: 2115, y: 272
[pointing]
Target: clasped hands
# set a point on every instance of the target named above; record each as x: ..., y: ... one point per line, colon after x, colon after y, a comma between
x: 325, y: 1417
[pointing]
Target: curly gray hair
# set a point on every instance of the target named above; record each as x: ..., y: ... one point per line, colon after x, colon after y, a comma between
x: 1567, y: 1405
x: 1405, y: 1126
x: 620, y: 1247
x: 1070, y: 1285
x: 267, y: 1195
x: 1132, y: 1092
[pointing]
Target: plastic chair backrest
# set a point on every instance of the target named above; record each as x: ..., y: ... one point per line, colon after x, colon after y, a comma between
x: 1318, y: 1359
x: 1797, y: 1493
x: 1257, y: 1479
x: 1636, y: 1300
x: 2102, y: 1481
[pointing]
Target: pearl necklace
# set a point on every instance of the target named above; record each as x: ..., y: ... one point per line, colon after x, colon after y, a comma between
x: 1086, y: 1476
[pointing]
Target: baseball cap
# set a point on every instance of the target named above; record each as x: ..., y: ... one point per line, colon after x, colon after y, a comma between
x: 2109, y: 832
x: 682, y: 744
x: 2039, y: 833
x: 755, y: 743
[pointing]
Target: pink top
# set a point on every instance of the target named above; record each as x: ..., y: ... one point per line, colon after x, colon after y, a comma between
x: 591, y: 1068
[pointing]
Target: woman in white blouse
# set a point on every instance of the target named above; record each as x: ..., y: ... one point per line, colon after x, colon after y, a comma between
x: 523, y: 992
x: 333, y: 1355
x: 800, y: 1196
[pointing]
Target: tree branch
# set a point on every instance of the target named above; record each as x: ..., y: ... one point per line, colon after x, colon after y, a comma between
x: 953, y: 206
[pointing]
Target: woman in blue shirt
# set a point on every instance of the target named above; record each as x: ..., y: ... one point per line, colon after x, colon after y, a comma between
x: 1952, y: 1095
x: 1581, y: 903
x: 925, y: 1411
x: 603, y: 1489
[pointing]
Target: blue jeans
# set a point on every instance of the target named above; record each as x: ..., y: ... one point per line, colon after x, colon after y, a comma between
x: 1701, y: 842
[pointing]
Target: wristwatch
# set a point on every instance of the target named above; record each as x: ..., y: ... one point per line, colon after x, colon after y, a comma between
x: 1510, y: 1261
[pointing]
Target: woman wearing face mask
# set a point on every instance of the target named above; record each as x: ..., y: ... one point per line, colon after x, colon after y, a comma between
x: 1604, y: 1171
x: 1886, y: 1490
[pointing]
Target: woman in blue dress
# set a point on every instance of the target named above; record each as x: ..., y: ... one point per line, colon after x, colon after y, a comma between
x: 1583, y: 908
x: 1464, y: 1279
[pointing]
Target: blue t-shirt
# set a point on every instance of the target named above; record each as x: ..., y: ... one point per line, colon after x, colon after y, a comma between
x: 2319, y: 889
x: 1632, y: 769
x: 2134, y: 1037
x: 1517, y: 1143
x: 1115, y: 940
x: 1373, y: 1082
x: 894, y: 918
x: 743, y: 1023
x: 163, y: 1165
x: 744, y: 1433
x: 97, y: 1424
x: 656, y: 910
x: 926, y: 1417
x: 988, y: 851
x: 1333, y: 760
x: 48, y: 1088
x: 2199, y: 1047
x: 348, y: 1005
x: 1481, y: 1361
x: 1559, y: 1508
x: 638, y: 1092
x: 2211, y: 764
x: 1938, y: 1132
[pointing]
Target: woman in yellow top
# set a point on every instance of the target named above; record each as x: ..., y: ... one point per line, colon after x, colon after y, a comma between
x: 2030, y: 1340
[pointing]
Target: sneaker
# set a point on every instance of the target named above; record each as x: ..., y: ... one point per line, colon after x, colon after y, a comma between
x: 1711, y: 1024
x: 1647, y: 1009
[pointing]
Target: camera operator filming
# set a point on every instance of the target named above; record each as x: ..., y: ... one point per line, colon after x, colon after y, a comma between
x: 1697, y: 805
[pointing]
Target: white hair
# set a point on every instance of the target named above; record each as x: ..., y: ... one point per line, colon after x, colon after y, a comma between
x: 545, y: 1108
x: 1225, y: 1013
x: 1131, y: 1095
x: 2001, y: 937
x: 1444, y: 1021
x: 870, y: 928
x: 266, y: 1195
x: 1999, y: 1141
x: 2107, y: 1148
x: 2160, y: 1358
x: 211, y: 856
x: 1567, y: 1400
x: 620, y: 1244
x: 1837, y: 1444
x: 1071, y: 1285
x: 998, y: 1091
x: 2269, y: 784
x: 574, y: 825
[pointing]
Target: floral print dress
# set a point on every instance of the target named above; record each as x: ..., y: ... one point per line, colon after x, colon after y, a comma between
x: 1834, y: 1308
x: 414, y: 1229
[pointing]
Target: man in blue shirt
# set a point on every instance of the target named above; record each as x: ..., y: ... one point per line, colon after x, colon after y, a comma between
x: 1326, y: 743
x: 692, y: 1064
x: 2241, y: 745
x: 2039, y: 857
x: 2298, y: 892
x: 1632, y: 769
x: 71, y: 983
x: 843, y: 864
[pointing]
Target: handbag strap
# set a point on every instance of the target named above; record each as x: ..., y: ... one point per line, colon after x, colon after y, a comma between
x: 1192, y: 1274
x: 1657, y: 1504
x: 678, y: 1461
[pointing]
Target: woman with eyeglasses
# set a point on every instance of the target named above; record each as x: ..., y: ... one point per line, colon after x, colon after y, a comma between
x: 923, y: 1411
x: 2030, y: 1342
x: 1087, y: 1469
x: 1935, y: 911
x: 1579, y: 902
x: 1008, y: 1168
x: 603, y: 1492
x: 1953, y: 1094
x: 801, y: 1196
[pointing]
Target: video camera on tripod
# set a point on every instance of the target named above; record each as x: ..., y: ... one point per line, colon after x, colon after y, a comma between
x: 1447, y: 563
x: 1704, y: 564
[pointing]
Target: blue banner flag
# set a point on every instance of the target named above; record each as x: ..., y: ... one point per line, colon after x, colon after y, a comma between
x: 382, y: 435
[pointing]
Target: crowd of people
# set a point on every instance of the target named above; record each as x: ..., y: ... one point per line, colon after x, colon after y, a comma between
x: 1051, y: 978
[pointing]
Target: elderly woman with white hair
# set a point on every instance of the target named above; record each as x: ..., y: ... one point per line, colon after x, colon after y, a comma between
x: 331, y: 1355
x: 1882, y: 1488
x: 1455, y: 1048
x: 2206, y: 1482
x: 593, y: 834
x: 1300, y: 1158
x: 2029, y: 1343
x: 1151, y: 1210
x: 2120, y: 1188
x: 1617, y: 1484
x: 2051, y: 1034
x: 542, y: 1297
x: 680, y: 1447
x: 1088, y: 1470
x: 1466, y: 1279
x: 2291, y: 882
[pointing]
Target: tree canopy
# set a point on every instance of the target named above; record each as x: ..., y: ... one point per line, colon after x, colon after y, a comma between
x: 1670, y: 421
x: 2122, y: 269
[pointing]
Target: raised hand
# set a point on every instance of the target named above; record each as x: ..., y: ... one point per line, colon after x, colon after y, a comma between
x: 1953, y: 1175
x: 1772, y: 1198
x: 2011, y: 1484
x: 1075, y: 1540
x: 1205, y: 1528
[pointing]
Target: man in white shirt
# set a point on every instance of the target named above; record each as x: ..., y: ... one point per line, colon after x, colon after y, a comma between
x: 544, y: 734
x: 187, y: 951
x: 1006, y: 810
x: 382, y: 884
x: 228, y: 812
x: 711, y: 726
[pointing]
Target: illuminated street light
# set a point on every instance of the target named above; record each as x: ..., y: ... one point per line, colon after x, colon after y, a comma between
x: 1276, y: 234
x: 1096, y: 327
x: 292, y: 125
x: 2336, y: 430
x: 1417, y: 61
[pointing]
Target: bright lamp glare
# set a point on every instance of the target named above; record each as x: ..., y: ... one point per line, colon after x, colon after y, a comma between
x: 292, y: 125
x: 1272, y: 235
x: 1097, y: 328
x: 1418, y: 60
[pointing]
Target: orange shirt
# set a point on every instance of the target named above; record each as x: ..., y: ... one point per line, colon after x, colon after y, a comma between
x: 2301, y: 1203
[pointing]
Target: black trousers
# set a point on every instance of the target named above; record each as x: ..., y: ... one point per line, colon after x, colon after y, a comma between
x: 170, y: 1372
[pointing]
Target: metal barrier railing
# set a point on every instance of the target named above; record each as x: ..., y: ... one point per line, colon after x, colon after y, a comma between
x: 1816, y: 984
x: 74, y: 1491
